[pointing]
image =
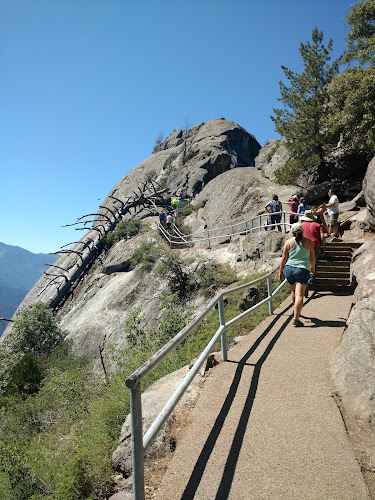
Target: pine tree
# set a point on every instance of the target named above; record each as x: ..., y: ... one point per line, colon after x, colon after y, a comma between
x: 302, y: 120
x: 361, y: 37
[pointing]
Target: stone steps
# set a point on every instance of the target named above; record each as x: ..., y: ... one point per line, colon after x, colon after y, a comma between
x: 333, y: 269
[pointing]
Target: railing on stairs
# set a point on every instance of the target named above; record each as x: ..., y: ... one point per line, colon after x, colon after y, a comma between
x: 140, y: 442
x: 219, y: 235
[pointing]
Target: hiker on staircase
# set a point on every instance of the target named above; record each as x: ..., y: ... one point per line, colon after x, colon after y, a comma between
x: 333, y: 213
x: 314, y: 232
x: 297, y: 263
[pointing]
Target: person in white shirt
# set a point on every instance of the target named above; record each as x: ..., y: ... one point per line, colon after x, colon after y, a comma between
x: 333, y: 213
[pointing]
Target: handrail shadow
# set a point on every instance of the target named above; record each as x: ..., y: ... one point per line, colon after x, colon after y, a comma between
x: 228, y: 473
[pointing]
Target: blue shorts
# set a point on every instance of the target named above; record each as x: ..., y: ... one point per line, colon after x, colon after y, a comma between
x: 296, y: 275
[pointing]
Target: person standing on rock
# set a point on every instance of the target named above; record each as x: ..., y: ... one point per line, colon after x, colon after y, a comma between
x: 297, y: 264
x: 333, y: 213
x: 274, y: 206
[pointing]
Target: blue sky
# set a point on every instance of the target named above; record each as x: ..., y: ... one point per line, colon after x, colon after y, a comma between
x: 86, y: 86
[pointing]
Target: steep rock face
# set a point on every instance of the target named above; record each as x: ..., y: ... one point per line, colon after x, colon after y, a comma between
x: 236, y: 195
x: 96, y: 314
x: 369, y: 191
x: 188, y: 160
x: 272, y: 156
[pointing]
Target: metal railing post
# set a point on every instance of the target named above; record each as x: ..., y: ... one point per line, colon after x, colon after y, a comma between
x: 252, y: 225
x: 260, y: 223
x: 137, y: 442
x: 208, y: 237
x: 246, y: 228
x: 224, y: 349
x: 284, y: 220
x: 269, y: 291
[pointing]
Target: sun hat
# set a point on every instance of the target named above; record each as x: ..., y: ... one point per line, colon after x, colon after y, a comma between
x: 308, y: 216
x: 296, y: 227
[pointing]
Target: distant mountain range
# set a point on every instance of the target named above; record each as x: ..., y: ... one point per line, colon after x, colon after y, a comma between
x: 19, y: 271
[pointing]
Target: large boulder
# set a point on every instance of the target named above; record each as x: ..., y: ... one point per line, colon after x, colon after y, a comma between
x: 189, y: 160
x: 353, y: 363
x: 236, y: 195
x: 271, y: 157
x: 369, y: 191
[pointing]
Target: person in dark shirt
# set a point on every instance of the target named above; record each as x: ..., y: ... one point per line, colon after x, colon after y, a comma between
x: 274, y: 206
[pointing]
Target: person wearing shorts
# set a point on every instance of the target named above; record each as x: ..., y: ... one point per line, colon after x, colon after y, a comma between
x: 297, y: 264
x: 333, y: 213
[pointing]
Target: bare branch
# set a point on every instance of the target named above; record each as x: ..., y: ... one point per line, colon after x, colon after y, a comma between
x: 68, y: 251
x: 117, y: 199
x: 58, y: 267
x: 109, y: 210
x: 95, y: 215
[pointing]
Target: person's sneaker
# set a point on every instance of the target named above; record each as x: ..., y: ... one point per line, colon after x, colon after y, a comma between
x: 335, y: 239
x: 297, y: 322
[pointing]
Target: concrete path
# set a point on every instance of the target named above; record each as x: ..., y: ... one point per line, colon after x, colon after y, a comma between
x: 266, y: 425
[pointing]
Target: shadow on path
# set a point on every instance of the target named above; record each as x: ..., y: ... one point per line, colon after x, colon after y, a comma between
x: 319, y: 323
x: 229, y: 469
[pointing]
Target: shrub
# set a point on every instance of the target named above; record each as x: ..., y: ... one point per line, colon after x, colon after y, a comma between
x: 180, y: 281
x: 145, y: 256
x: 212, y: 276
x: 25, y: 377
x: 123, y: 231
x: 191, y: 155
x: 36, y: 330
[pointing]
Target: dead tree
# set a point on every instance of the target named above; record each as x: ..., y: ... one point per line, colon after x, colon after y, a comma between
x: 145, y: 199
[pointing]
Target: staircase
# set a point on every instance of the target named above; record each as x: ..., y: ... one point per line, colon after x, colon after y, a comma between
x: 333, y: 269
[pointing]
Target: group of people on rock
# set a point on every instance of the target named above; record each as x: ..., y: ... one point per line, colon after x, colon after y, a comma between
x: 301, y: 252
x: 168, y: 216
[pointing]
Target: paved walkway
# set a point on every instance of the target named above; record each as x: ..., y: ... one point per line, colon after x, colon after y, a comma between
x: 266, y: 425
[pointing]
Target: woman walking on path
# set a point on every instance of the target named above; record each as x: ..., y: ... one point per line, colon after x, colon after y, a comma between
x: 297, y: 263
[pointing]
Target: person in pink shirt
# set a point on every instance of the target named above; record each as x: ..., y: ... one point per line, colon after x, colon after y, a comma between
x: 314, y: 232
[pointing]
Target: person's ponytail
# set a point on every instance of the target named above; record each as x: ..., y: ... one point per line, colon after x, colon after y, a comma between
x: 299, y: 237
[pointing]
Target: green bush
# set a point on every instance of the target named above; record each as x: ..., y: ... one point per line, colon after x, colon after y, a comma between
x: 26, y: 376
x: 145, y: 256
x: 123, y: 231
x: 213, y: 276
x: 190, y: 155
x: 36, y: 330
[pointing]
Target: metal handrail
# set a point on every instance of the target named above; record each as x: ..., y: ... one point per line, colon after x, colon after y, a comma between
x: 244, y: 228
x: 140, y: 442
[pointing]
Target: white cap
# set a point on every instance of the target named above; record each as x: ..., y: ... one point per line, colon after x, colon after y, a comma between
x: 296, y: 227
